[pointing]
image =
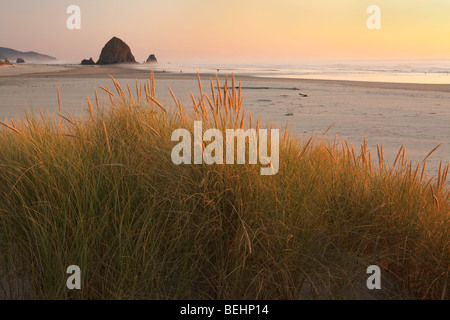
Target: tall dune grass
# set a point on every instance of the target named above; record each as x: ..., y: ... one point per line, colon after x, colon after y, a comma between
x: 101, y: 192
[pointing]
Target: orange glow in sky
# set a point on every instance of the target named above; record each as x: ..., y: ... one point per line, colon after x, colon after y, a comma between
x: 285, y: 30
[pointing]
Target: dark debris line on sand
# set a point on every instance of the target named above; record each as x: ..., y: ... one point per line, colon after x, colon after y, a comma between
x: 273, y: 88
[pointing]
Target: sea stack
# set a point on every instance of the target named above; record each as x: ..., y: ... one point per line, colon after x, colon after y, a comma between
x: 152, y: 59
x: 87, y: 62
x: 116, y: 51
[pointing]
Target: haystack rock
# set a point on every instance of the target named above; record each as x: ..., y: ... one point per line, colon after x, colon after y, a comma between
x: 20, y: 60
x: 86, y: 62
x: 152, y: 59
x: 116, y: 51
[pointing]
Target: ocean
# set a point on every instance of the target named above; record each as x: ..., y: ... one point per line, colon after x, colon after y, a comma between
x: 420, y: 71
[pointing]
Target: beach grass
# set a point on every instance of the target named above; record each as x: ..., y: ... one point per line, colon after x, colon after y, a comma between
x: 102, y: 192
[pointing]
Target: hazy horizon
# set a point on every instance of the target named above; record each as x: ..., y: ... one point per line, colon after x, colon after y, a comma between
x: 200, y: 30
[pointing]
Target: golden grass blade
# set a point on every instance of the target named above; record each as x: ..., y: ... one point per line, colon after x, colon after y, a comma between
x: 71, y: 118
x: 200, y: 84
x: 435, y: 199
x: 285, y: 131
x: 331, y: 153
x: 439, y: 175
x: 364, y: 152
x: 152, y: 78
x: 178, y: 104
x: 216, y: 118
x: 236, y: 120
x: 432, y: 151
x: 90, y: 109
x: 203, y: 108
x: 404, y: 160
x: 196, y: 107
x: 243, y: 120
x: 415, y: 173
x: 213, y: 93
x: 96, y: 98
x: 349, y: 152
x: 59, y: 105
x: 329, y: 128
x: 380, y: 155
x: 12, y: 128
x: 111, y: 95
x: 257, y: 126
x: 68, y: 120
x: 153, y: 130
x: 147, y: 92
x: 398, y: 154
x: 353, y: 154
x: 42, y: 115
x: 240, y: 99
x: 129, y: 93
x: 118, y: 87
x: 107, y: 139
x: 344, y: 153
x: 225, y: 91
x: 424, y: 164
x: 410, y: 170
x: 157, y: 103
x: 219, y: 97
x: 28, y: 121
x: 306, y: 148
x: 138, y: 90
x: 445, y: 174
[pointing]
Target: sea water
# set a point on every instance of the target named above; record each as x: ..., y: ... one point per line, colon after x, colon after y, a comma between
x: 420, y: 71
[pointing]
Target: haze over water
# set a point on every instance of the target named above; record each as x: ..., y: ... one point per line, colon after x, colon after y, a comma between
x: 407, y: 71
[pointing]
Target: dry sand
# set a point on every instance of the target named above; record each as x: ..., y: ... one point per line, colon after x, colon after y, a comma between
x: 417, y: 115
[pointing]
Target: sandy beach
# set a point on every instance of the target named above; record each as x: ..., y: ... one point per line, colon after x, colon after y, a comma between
x: 416, y: 115
x: 132, y: 167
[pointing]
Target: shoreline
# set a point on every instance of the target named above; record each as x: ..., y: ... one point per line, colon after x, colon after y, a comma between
x: 121, y: 71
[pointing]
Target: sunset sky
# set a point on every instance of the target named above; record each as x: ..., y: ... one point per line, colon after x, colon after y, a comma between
x: 231, y: 30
